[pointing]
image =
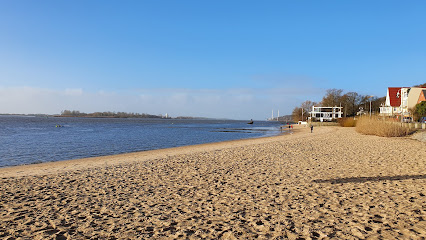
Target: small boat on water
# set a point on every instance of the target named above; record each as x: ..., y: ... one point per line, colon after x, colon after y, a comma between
x: 251, y: 121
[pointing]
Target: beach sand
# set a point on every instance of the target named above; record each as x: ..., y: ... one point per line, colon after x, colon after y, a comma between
x: 330, y: 184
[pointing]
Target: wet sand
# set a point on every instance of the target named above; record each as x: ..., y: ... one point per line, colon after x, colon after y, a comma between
x: 331, y: 184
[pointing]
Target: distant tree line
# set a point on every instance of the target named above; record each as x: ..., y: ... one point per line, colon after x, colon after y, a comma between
x: 421, y: 85
x: 352, y: 103
x: 74, y: 113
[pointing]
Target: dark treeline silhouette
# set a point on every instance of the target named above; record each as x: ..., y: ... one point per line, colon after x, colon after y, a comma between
x: 74, y: 113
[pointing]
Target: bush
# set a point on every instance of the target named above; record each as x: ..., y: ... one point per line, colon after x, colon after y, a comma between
x: 347, y: 122
x: 421, y: 109
x: 381, y: 127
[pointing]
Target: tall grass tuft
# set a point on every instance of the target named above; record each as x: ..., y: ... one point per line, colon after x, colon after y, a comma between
x: 347, y: 122
x: 380, y: 127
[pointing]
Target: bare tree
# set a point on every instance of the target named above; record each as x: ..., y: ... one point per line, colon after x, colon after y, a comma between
x: 306, y: 106
x: 332, y: 98
x: 350, y: 103
x: 297, y: 114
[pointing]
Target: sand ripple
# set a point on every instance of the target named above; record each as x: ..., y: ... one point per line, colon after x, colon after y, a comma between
x: 339, y: 185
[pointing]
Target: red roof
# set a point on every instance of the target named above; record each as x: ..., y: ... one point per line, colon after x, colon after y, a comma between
x: 394, y: 101
x: 422, y: 96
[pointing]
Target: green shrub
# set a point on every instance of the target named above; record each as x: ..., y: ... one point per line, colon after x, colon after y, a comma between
x: 421, y: 109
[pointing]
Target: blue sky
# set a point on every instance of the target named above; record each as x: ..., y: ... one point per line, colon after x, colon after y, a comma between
x: 225, y: 59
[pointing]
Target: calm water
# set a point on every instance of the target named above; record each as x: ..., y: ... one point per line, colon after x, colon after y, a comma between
x: 25, y: 140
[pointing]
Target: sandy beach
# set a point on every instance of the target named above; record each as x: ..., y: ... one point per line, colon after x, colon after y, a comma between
x: 330, y: 184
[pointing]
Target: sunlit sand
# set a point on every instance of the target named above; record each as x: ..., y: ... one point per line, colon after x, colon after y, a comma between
x: 332, y: 183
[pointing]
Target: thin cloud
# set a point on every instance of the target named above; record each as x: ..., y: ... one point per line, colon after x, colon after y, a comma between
x: 74, y: 91
x: 242, y: 103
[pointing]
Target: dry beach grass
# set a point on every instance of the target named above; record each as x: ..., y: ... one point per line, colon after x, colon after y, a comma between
x: 334, y: 183
x: 381, y: 127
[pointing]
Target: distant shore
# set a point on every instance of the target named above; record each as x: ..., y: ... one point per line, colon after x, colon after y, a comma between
x: 97, y: 116
x: 29, y: 140
x: 332, y: 183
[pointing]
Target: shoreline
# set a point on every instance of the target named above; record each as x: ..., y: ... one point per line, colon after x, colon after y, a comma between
x: 54, y: 167
x: 37, y: 140
x: 332, y: 184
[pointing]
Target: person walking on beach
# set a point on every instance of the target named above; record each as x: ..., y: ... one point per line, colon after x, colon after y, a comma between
x: 312, y: 128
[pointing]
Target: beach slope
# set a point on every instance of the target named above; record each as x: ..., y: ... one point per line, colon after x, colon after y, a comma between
x: 330, y: 184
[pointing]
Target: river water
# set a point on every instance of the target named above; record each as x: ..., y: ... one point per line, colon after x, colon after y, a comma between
x: 26, y: 140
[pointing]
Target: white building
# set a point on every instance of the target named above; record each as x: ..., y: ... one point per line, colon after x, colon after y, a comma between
x: 325, y: 114
x: 399, y: 100
x: 395, y: 99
